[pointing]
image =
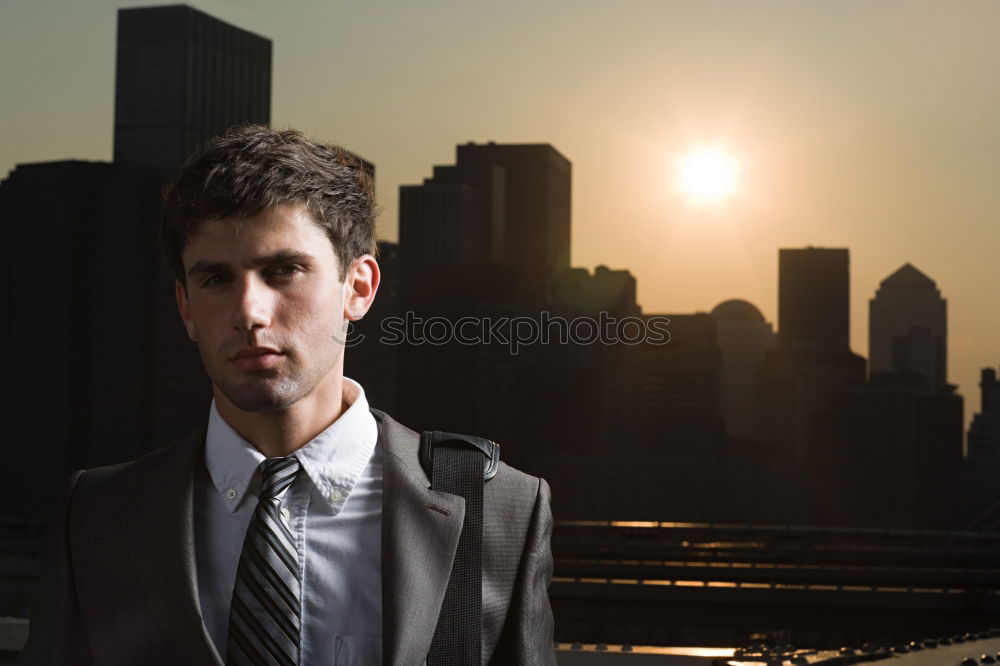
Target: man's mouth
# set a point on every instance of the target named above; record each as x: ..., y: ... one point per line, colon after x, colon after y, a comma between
x: 257, y: 358
x: 254, y: 351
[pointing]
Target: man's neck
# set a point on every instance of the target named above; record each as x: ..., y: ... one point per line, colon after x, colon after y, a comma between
x: 283, y: 432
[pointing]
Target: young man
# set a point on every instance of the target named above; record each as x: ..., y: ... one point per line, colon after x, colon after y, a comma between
x: 298, y: 526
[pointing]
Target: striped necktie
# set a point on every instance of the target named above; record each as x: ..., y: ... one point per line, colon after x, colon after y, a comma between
x: 266, y: 607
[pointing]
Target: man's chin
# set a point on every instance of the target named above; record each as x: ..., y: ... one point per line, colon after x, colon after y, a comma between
x: 258, y: 398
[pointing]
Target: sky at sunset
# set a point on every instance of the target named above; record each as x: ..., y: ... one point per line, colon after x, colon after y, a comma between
x: 868, y: 125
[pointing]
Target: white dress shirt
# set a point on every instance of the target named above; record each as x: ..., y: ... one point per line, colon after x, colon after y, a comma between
x: 334, y: 510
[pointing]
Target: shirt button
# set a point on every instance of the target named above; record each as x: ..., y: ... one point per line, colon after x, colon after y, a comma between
x: 285, y: 513
x: 231, y: 494
x: 336, y: 496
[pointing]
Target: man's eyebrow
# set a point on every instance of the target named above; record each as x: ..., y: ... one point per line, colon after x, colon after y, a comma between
x: 278, y: 257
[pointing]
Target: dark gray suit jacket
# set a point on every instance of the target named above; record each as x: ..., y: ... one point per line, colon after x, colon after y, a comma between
x: 121, y: 587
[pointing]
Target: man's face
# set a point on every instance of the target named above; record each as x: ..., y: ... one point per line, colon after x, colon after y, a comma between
x: 267, y: 308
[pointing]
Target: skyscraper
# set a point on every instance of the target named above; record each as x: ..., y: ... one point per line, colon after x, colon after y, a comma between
x: 813, y: 299
x: 483, y: 237
x: 183, y: 77
x: 907, y: 327
x: 982, y: 465
x: 812, y: 361
x: 499, y: 204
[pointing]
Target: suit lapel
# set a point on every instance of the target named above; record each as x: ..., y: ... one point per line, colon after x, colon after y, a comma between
x: 163, y: 523
x: 420, y: 530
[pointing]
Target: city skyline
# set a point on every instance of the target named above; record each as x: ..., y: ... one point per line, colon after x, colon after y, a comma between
x: 682, y: 449
x: 868, y: 127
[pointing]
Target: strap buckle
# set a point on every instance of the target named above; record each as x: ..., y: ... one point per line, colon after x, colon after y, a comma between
x: 429, y: 439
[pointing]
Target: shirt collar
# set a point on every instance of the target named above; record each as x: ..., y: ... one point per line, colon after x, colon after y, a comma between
x: 334, y: 460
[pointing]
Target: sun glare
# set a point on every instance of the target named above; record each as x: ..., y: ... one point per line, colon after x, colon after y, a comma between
x: 707, y: 175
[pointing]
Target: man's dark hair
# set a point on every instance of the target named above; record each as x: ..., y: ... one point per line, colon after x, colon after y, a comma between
x: 254, y: 167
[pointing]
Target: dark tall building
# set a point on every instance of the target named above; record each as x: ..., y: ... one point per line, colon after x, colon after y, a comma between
x: 813, y: 299
x: 982, y: 464
x: 908, y: 328
x: 505, y: 205
x: 813, y: 358
x: 485, y: 237
x: 183, y: 77
x: 812, y: 361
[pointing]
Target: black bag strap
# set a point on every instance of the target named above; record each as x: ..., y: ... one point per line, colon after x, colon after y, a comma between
x: 460, y: 465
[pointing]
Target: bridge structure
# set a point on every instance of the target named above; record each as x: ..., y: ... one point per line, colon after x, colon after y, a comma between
x: 669, y: 583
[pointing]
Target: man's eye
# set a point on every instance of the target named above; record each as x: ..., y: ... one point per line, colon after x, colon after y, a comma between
x: 213, y: 280
x: 284, y: 272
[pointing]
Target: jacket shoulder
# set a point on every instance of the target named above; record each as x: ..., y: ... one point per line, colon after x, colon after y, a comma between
x: 404, y: 442
x: 114, y: 482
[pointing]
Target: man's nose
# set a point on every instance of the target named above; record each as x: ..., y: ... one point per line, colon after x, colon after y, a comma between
x: 254, y: 304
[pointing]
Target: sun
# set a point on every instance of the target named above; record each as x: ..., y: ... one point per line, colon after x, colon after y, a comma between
x: 708, y: 175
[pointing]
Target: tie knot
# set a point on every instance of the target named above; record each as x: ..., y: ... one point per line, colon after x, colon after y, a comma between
x: 276, y: 474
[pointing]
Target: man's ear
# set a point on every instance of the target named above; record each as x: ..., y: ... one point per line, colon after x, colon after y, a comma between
x: 184, y: 307
x: 360, y: 285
